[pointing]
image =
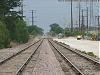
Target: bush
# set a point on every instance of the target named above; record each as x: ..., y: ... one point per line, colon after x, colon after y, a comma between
x: 84, y: 52
x: 22, y: 35
x: 69, y: 33
x: 91, y: 54
x: 35, y: 30
x: 4, y: 36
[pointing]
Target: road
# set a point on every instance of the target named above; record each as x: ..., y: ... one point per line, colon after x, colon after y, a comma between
x: 83, y: 45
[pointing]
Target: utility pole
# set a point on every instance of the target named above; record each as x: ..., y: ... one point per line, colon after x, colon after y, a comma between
x: 64, y: 28
x: 87, y: 20
x: 33, y: 17
x: 98, y: 19
x: 72, y: 15
x: 98, y: 23
x: 79, y: 15
x: 76, y: 27
x: 82, y: 25
x: 91, y: 12
x: 22, y: 8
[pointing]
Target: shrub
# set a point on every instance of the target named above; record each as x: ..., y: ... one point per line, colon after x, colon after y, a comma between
x: 4, y: 36
x: 21, y: 32
x: 91, y: 54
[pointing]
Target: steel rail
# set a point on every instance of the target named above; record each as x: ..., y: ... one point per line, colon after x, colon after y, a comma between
x: 5, y: 60
x: 80, y: 54
x: 27, y: 61
x: 78, y: 71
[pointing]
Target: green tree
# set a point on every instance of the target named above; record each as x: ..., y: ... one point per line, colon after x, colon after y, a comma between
x: 7, y: 5
x: 10, y: 22
x: 56, y: 29
x: 69, y: 33
x: 35, y: 30
x: 4, y: 36
x: 14, y: 23
x: 21, y: 32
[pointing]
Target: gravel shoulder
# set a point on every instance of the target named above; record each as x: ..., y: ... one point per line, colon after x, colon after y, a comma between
x: 83, y: 45
x: 5, y: 53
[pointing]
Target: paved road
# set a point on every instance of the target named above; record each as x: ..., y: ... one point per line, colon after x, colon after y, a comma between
x: 84, y: 45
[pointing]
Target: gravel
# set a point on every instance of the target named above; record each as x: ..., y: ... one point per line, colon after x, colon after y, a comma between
x: 5, y: 53
x: 83, y: 45
x: 64, y: 65
x: 47, y: 64
x: 11, y: 66
x: 87, y: 67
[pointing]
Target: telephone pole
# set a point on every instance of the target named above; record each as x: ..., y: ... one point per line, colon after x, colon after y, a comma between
x: 91, y: 12
x: 87, y: 20
x: 98, y: 22
x: 98, y: 17
x: 22, y: 8
x: 82, y: 24
x: 71, y: 15
x: 79, y: 15
x: 33, y: 17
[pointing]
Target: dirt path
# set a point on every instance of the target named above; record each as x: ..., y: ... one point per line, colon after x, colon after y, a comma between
x: 47, y: 63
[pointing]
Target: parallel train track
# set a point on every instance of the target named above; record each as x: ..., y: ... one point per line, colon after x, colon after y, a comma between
x: 80, y: 63
x: 71, y: 60
x: 15, y: 64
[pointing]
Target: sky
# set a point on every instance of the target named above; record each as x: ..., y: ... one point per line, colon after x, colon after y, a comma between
x: 48, y: 12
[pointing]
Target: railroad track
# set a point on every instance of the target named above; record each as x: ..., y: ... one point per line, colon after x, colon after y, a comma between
x: 8, y: 58
x: 80, y: 64
x: 15, y: 64
x: 28, y: 69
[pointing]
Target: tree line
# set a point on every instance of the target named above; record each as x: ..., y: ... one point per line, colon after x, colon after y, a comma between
x: 13, y: 28
x: 56, y: 29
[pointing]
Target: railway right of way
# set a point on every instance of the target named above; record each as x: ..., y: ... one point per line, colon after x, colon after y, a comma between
x: 15, y: 64
x: 80, y: 65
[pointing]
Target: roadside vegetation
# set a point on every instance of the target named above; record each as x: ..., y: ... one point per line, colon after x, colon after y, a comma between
x: 89, y: 53
x: 13, y: 28
x: 56, y: 29
x: 35, y: 30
